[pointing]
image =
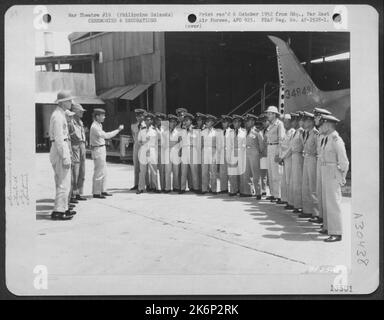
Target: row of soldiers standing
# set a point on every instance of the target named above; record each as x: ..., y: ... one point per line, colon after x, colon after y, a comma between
x: 301, y: 156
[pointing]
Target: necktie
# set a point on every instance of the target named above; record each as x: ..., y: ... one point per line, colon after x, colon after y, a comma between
x: 325, y: 142
x: 322, y: 142
x: 237, y: 131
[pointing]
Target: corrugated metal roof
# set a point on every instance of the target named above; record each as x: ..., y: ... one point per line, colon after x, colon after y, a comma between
x: 116, y: 92
x: 135, y: 92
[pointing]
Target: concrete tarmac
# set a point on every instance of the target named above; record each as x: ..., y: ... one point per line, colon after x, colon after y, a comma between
x: 171, y: 234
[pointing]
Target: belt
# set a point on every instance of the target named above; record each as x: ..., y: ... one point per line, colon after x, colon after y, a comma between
x: 103, y: 145
x: 54, y: 140
x: 324, y: 163
x: 272, y: 144
x: 309, y: 155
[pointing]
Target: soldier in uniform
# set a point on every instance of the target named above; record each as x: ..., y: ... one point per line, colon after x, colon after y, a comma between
x: 224, y: 152
x: 334, y: 168
x: 254, y: 149
x: 310, y: 206
x: 159, y: 119
x: 264, y: 124
x: 148, y: 154
x: 209, y: 156
x: 297, y: 146
x: 318, y: 112
x: 135, y: 128
x: 60, y: 156
x: 97, y: 138
x: 172, y: 164
x: 78, y: 144
x: 180, y: 115
x: 274, y: 134
x: 286, y: 161
x: 236, y: 165
x: 200, y: 119
x: 190, y: 154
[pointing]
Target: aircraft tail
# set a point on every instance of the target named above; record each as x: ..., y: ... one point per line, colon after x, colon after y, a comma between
x: 297, y: 90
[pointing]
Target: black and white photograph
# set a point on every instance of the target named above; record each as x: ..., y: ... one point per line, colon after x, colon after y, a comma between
x: 192, y: 156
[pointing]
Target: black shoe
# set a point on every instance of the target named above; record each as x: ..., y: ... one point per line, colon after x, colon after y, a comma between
x: 224, y: 191
x: 106, y: 194
x: 73, y: 200
x: 60, y: 216
x: 70, y: 212
x: 79, y: 197
x: 157, y: 191
x: 99, y: 196
x: 203, y: 192
x: 333, y: 239
x: 264, y: 194
x: 71, y: 206
x: 305, y: 215
x: 281, y: 202
x: 243, y: 195
x: 270, y: 198
x: 232, y: 194
x: 167, y: 191
x: 134, y: 188
x: 214, y: 193
x: 297, y: 210
x: 176, y: 190
x: 322, y: 231
x: 258, y: 197
x: 316, y: 220
x: 288, y: 207
x: 139, y: 191
x: 181, y: 191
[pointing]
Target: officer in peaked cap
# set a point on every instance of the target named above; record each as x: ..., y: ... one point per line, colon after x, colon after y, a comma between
x: 223, y: 150
x: 297, y: 146
x: 275, y: 133
x: 209, y: 139
x: 200, y: 120
x: 180, y: 114
x: 254, y: 149
x: 286, y: 159
x: 97, y: 137
x: 159, y: 127
x: 190, y: 155
x: 334, y: 167
x: 309, y: 196
x: 237, y: 160
x: 135, y: 128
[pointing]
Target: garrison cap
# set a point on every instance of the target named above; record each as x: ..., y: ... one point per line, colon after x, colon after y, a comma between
x: 250, y: 116
x: 320, y: 111
x: 226, y: 118
x: 200, y: 115
x: 172, y: 117
x: 237, y: 117
x: 189, y: 115
x: 308, y: 115
x: 161, y: 115
x: 140, y: 111
x: 98, y: 111
x: 179, y: 110
x: 329, y: 118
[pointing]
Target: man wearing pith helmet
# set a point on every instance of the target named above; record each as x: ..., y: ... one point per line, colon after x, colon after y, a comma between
x: 334, y: 168
x: 97, y: 137
x: 60, y: 156
x: 274, y: 134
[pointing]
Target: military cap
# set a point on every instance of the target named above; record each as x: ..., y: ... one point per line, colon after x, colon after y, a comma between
x: 237, y: 117
x: 179, y: 110
x: 200, y: 115
x: 210, y: 117
x: 98, y: 111
x: 329, y: 118
x: 139, y: 110
x: 77, y: 107
x: 294, y: 115
x: 172, y: 117
x: 286, y: 116
x: 63, y: 95
x: 272, y: 109
x: 250, y: 116
x: 226, y: 118
x: 308, y: 115
x: 189, y: 115
x: 320, y: 111
x: 149, y: 115
x: 160, y: 115
x: 69, y: 113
